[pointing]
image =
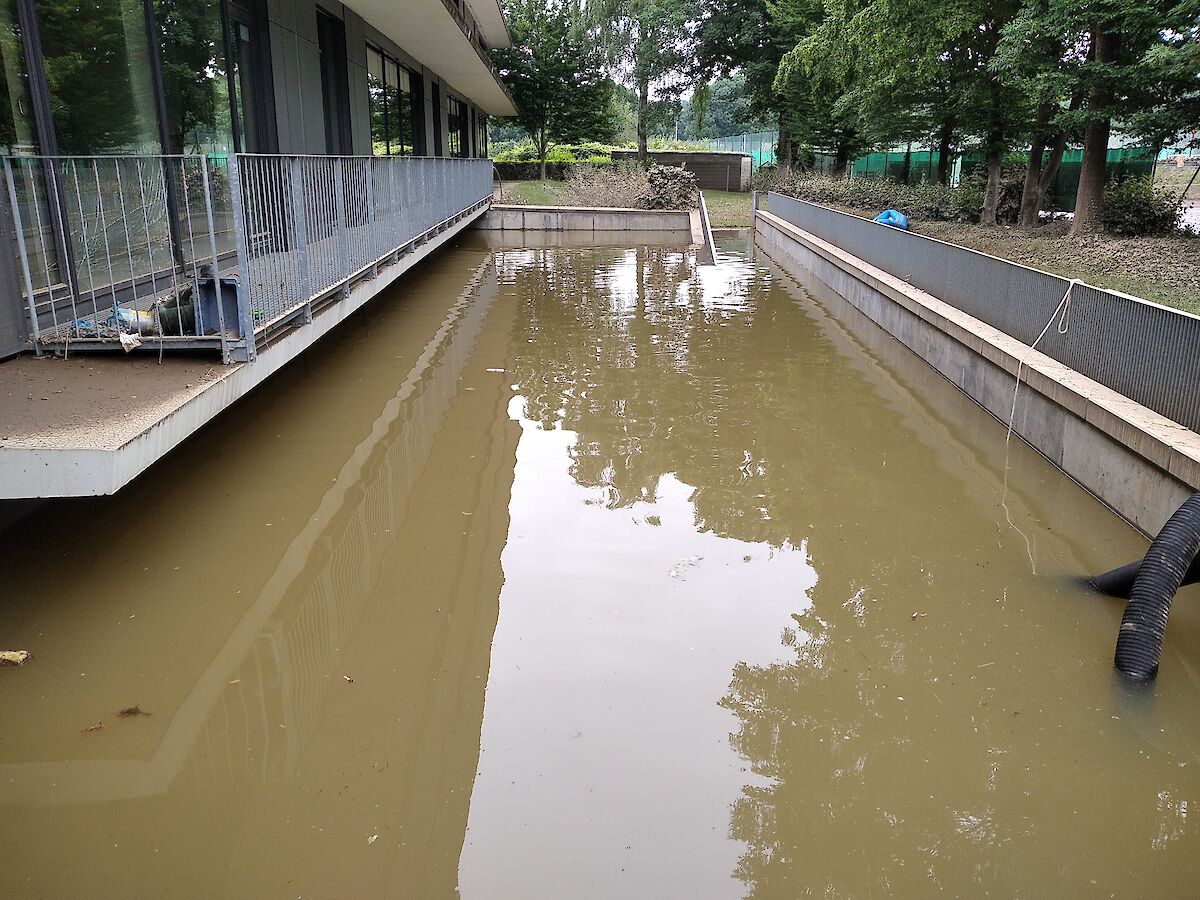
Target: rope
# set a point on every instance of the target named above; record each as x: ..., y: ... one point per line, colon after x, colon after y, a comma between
x: 1062, y: 313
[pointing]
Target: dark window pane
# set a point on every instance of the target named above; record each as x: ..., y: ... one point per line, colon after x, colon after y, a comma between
x: 194, y: 78
x: 377, y: 96
x: 16, y: 111
x: 98, y: 70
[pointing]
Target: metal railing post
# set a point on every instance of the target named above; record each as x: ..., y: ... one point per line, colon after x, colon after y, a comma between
x: 212, y: 251
x: 245, y: 299
x: 300, y: 231
x: 24, y: 254
x: 339, y: 204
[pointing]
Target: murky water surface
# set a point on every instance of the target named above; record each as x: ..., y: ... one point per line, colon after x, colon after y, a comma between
x: 590, y: 573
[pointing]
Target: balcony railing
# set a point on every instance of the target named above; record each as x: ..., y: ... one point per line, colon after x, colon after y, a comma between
x: 219, y: 252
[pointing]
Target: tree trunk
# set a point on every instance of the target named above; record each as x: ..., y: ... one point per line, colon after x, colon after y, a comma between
x: 991, y: 194
x: 643, y: 101
x: 945, y: 136
x: 1089, y: 202
x: 841, y: 159
x: 1030, y: 199
x: 543, y: 146
x: 907, y: 162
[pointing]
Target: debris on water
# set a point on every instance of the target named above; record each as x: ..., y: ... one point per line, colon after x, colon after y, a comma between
x: 14, y: 657
x: 683, y: 565
x: 372, y: 839
x: 495, y: 370
x: 918, y: 615
x: 99, y: 726
x: 349, y: 680
x: 130, y: 711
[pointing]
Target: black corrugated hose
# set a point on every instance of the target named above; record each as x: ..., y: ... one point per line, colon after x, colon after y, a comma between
x: 1139, y: 642
x: 1119, y: 582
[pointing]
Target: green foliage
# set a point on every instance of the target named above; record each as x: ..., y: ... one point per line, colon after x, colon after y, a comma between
x: 870, y: 196
x: 525, y: 151
x: 1135, y: 206
x: 648, y: 39
x: 725, y: 110
x: 555, y: 75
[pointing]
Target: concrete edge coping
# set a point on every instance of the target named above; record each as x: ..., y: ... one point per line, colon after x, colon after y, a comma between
x: 1168, y: 445
x: 517, y: 207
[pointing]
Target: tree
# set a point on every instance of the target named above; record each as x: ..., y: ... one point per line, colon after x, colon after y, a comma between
x: 555, y: 76
x: 816, y: 78
x: 738, y: 37
x: 1124, y: 64
x: 649, y: 39
x: 721, y: 108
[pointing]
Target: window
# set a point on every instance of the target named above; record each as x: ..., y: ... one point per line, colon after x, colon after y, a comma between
x: 390, y: 89
x: 97, y: 64
x: 457, y: 142
x: 335, y: 92
x: 195, y: 86
x: 481, y: 135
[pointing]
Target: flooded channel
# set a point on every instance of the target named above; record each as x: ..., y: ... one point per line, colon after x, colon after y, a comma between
x: 572, y: 572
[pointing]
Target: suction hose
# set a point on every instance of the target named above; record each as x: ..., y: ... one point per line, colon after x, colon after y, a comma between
x: 1139, y: 642
x: 1119, y: 582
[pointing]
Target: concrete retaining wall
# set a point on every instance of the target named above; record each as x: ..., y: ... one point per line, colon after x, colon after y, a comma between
x: 1138, y: 462
x: 579, y: 218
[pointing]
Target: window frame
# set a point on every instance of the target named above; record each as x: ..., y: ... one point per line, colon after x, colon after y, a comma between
x: 394, y: 136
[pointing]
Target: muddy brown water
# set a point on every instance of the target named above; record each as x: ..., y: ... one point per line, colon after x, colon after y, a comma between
x: 571, y: 572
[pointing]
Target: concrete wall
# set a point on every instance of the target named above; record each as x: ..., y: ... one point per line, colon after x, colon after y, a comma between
x: 714, y: 171
x: 561, y: 218
x: 1139, y: 463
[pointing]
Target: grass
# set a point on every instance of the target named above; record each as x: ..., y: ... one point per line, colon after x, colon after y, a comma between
x: 728, y: 209
x: 533, y: 193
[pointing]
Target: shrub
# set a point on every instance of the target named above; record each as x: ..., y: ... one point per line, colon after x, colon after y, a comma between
x: 925, y: 200
x: 1134, y: 206
x: 631, y: 187
x: 669, y: 187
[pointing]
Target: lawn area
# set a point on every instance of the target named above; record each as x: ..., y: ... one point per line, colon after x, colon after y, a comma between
x: 532, y: 193
x: 728, y: 209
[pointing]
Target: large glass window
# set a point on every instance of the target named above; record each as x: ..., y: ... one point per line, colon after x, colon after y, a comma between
x: 390, y: 89
x: 457, y: 142
x: 195, y: 82
x: 481, y: 144
x: 17, y: 133
x: 98, y: 70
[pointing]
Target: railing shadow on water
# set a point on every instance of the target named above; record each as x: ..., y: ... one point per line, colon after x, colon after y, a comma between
x: 216, y: 252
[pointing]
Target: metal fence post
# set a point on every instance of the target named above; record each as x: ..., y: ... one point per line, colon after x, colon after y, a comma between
x: 24, y: 254
x: 245, y: 295
x: 300, y: 233
x: 339, y: 204
x: 212, y: 251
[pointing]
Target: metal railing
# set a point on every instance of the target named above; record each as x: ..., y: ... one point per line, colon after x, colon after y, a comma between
x: 308, y: 226
x: 189, y: 252
x: 1145, y: 351
x: 119, y: 245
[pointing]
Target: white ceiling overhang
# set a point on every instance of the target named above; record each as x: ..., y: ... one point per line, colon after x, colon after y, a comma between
x: 431, y: 34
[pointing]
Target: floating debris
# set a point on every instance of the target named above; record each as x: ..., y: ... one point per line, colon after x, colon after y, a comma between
x: 14, y: 657
x: 129, y: 711
x: 372, y: 839
x: 349, y: 680
x: 99, y: 726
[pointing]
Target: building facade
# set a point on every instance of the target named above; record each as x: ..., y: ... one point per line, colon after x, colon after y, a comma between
x: 146, y: 77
